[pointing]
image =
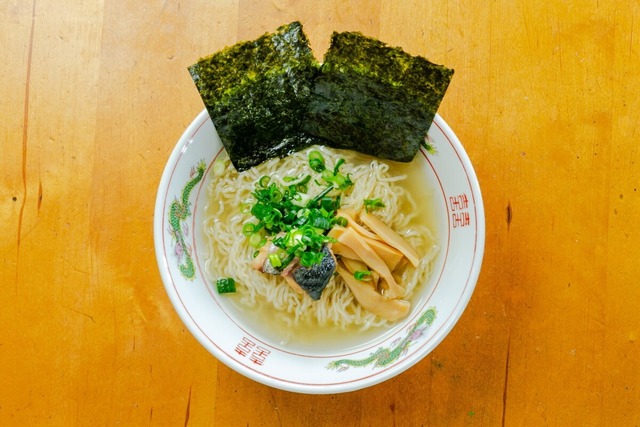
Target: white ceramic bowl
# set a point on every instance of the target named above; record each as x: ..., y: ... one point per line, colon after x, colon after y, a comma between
x: 179, y: 244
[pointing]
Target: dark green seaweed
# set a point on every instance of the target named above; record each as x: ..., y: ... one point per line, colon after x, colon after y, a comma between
x: 374, y: 98
x: 256, y: 93
x: 269, y: 97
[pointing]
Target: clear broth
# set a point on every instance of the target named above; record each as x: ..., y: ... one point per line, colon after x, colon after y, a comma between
x: 307, y: 336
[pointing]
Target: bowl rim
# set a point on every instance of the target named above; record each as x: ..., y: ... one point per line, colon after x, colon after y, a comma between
x: 163, y: 264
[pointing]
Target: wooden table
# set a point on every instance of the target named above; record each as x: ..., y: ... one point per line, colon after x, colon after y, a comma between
x: 546, y: 101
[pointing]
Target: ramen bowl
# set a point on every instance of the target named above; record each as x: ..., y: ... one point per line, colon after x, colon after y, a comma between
x: 245, y: 345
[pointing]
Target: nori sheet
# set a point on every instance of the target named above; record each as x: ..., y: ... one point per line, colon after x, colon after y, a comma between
x: 374, y: 98
x: 256, y: 93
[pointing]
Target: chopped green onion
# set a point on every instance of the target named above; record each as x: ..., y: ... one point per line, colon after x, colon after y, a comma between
x: 320, y: 222
x: 264, y: 181
x: 260, y: 210
x: 275, y: 194
x: 226, y: 285
x: 340, y: 180
x: 341, y: 221
x: 319, y: 197
x: 335, y: 178
x: 347, y: 182
x: 300, y: 200
x: 248, y: 229
x: 289, y: 258
x: 329, y: 204
x: 294, y: 220
x: 272, y: 219
x: 308, y: 259
x: 373, y: 204
x: 301, y: 186
x: 316, y: 161
x: 305, y: 180
x: 256, y: 240
x: 362, y: 275
x: 275, y: 260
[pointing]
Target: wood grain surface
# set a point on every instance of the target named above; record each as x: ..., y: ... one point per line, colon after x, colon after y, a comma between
x: 546, y: 100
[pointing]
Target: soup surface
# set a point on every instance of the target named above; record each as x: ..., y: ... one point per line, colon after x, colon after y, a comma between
x: 264, y: 303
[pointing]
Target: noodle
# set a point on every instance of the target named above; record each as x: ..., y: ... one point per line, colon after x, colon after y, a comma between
x: 230, y: 254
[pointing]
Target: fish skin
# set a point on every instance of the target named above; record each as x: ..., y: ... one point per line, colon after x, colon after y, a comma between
x: 314, y: 279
